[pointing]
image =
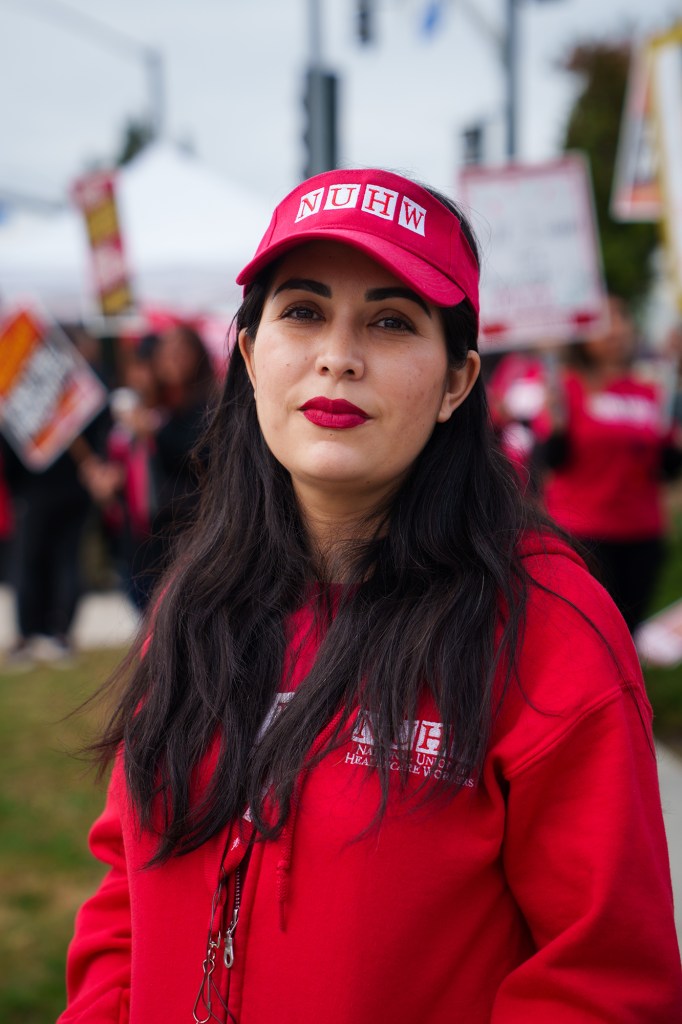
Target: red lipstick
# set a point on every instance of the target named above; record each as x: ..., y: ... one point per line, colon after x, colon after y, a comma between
x: 334, y: 412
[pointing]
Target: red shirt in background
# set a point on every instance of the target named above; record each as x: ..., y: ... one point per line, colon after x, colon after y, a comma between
x: 516, y: 393
x: 609, y: 488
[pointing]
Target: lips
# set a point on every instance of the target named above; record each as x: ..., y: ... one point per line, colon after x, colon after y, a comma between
x: 336, y: 413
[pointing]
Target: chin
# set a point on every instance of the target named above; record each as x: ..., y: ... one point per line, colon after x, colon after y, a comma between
x: 332, y: 474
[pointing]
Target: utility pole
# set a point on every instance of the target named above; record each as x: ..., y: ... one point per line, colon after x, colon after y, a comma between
x: 320, y: 102
x: 510, y: 58
x: 364, y: 15
x: 157, y: 91
x: 506, y: 43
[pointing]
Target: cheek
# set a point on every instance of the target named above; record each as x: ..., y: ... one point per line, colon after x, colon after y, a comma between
x: 276, y: 370
x: 418, y: 393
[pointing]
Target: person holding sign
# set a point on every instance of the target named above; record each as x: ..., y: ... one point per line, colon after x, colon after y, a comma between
x: 607, y: 446
x: 383, y: 751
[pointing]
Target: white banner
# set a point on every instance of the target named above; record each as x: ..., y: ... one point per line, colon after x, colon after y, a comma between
x: 636, y: 194
x: 659, y: 639
x: 666, y: 56
x: 542, y: 280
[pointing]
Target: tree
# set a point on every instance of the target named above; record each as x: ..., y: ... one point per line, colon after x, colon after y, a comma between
x: 593, y: 127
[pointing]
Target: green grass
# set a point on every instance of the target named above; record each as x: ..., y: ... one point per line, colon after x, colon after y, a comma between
x: 665, y: 685
x: 48, y: 801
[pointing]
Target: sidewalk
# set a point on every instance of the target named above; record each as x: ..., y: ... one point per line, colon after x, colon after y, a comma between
x: 670, y: 776
x: 109, y: 620
x: 102, y: 620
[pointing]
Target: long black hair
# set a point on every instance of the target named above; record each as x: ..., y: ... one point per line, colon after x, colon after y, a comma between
x: 434, y: 601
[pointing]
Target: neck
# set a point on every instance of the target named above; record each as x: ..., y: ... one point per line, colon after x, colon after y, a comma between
x: 336, y: 521
x: 604, y: 372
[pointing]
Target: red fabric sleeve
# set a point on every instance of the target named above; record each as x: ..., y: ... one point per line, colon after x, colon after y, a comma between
x: 98, y: 962
x: 585, y: 857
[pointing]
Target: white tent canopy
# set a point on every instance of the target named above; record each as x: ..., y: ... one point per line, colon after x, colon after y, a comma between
x: 186, y: 231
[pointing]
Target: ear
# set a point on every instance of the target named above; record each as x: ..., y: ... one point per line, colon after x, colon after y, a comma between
x: 246, y: 348
x: 459, y: 383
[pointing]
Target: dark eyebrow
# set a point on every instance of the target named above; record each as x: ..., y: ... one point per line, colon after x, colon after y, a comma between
x: 379, y: 294
x: 306, y: 285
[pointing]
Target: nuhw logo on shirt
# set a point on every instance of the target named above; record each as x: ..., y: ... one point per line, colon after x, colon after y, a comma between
x: 423, y: 740
x: 630, y: 410
x: 373, y: 200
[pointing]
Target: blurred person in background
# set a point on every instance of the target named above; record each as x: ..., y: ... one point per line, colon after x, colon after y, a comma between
x: 52, y: 509
x: 6, y: 524
x: 148, y: 485
x: 607, y: 446
x: 180, y: 376
x: 125, y: 490
x: 516, y: 394
x: 187, y: 390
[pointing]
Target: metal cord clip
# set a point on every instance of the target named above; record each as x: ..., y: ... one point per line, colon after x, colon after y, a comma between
x: 204, y: 995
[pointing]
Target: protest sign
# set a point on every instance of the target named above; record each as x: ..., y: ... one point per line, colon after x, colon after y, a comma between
x: 95, y: 196
x: 48, y: 392
x: 542, y: 278
x: 636, y: 194
x: 666, y: 65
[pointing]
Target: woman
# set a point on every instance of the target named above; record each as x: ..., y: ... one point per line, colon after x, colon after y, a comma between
x: 170, y: 429
x: 126, y: 498
x: 607, y: 449
x: 387, y: 753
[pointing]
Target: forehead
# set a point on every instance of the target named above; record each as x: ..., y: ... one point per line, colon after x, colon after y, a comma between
x: 333, y: 262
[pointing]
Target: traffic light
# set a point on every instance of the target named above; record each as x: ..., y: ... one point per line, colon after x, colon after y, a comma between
x: 365, y: 21
x: 320, y: 102
x: 472, y: 145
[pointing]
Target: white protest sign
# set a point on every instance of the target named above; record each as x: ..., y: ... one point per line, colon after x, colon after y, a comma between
x: 636, y: 194
x: 666, y: 60
x: 542, y: 279
x: 659, y: 639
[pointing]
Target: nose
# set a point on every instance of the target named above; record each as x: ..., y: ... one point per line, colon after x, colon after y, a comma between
x: 339, y: 355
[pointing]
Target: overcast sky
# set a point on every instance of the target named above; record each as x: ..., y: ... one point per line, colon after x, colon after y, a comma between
x: 234, y: 81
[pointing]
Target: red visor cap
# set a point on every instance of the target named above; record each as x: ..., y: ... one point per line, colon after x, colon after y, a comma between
x: 388, y: 217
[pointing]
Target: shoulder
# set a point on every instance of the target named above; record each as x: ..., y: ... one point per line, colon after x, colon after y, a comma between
x: 560, y: 580
x: 575, y: 657
x: 569, y: 611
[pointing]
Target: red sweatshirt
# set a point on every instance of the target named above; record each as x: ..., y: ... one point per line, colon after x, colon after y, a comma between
x: 540, y: 894
x: 610, y: 486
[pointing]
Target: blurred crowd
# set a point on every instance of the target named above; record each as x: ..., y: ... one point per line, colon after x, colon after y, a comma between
x: 593, y: 431
x: 129, y: 481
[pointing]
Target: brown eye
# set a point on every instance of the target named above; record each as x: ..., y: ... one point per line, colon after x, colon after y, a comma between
x: 300, y: 313
x: 394, y: 323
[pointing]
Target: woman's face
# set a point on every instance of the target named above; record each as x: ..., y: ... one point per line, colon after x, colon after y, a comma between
x: 617, y: 343
x: 175, y: 360
x: 350, y: 373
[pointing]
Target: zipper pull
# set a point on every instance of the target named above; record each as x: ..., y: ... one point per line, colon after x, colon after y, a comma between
x: 228, y: 955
